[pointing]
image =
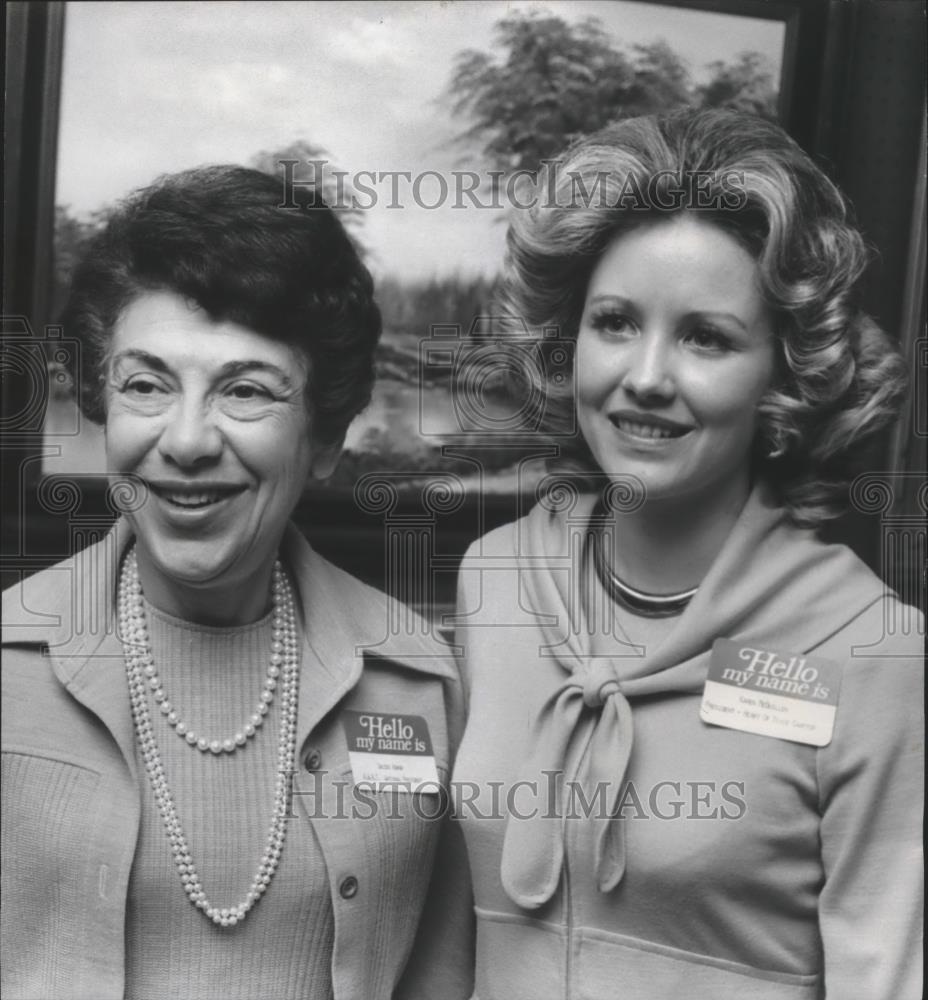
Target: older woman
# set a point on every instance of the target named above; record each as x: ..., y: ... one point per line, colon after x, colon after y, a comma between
x: 188, y: 806
x: 699, y: 725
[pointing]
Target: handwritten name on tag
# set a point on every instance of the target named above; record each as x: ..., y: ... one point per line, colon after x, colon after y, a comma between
x: 390, y: 751
x: 771, y: 693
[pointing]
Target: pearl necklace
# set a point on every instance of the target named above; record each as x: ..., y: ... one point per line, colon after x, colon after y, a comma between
x: 247, y: 731
x: 134, y: 632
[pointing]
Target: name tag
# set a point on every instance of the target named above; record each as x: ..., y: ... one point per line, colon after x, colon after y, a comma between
x: 390, y: 752
x: 771, y: 693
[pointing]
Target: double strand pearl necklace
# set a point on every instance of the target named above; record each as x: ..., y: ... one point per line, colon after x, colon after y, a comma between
x: 247, y: 731
x: 137, y: 650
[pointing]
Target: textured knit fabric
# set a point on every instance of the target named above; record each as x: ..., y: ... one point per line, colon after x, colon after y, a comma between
x: 72, y: 791
x: 283, y: 948
x: 741, y: 865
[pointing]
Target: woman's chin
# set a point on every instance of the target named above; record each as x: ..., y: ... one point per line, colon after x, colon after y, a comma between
x: 192, y: 568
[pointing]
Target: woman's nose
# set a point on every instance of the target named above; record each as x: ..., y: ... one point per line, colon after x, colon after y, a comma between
x: 649, y: 371
x: 190, y: 436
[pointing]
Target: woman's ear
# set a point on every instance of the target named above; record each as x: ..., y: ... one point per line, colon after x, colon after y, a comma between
x: 325, y: 458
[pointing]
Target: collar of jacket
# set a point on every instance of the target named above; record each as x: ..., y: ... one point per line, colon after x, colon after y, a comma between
x: 343, y: 621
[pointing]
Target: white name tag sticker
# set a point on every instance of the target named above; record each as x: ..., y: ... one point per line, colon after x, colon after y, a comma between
x: 390, y: 752
x: 771, y: 693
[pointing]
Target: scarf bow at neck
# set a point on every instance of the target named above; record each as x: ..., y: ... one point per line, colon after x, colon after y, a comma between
x: 771, y: 584
x: 596, y: 682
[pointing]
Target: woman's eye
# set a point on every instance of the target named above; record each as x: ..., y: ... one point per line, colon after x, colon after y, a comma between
x: 708, y: 338
x: 248, y: 391
x: 611, y: 322
x: 142, y: 387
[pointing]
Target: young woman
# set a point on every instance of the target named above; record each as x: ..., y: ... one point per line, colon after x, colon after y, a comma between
x: 696, y: 728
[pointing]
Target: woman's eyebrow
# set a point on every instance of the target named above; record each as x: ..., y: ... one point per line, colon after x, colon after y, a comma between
x: 228, y: 370
x: 611, y: 299
x: 136, y: 354
x: 716, y: 314
x: 621, y: 302
x: 233, y: 368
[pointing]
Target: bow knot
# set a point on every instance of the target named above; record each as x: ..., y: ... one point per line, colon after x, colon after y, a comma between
x: 598, y: 682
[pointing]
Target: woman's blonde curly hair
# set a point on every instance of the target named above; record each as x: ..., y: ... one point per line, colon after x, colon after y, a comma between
x: 840, y: 382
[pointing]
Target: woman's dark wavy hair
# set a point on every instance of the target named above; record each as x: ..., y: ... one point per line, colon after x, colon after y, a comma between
x: 840, y: 381
x: 234, y: 242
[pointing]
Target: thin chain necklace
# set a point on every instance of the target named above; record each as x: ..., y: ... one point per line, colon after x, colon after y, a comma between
x: 637, y: 601
x: 137, y: 650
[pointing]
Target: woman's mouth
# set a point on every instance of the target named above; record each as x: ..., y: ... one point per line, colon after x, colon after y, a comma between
x: 190, y: 498
x: 648, y: 428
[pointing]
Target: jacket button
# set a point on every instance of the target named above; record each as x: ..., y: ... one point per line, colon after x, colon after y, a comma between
x: 349, y: 887
x: 312, y: 760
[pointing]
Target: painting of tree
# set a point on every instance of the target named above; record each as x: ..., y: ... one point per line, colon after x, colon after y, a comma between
x: 548, y: 82
x: 553, y: 83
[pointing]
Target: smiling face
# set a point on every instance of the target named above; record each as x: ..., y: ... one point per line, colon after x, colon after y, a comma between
x: 214, y: 418
x: 675, y: 349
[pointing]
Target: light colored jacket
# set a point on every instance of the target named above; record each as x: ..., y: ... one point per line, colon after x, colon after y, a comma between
x: 71, y: 786
x: 753, y: 866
